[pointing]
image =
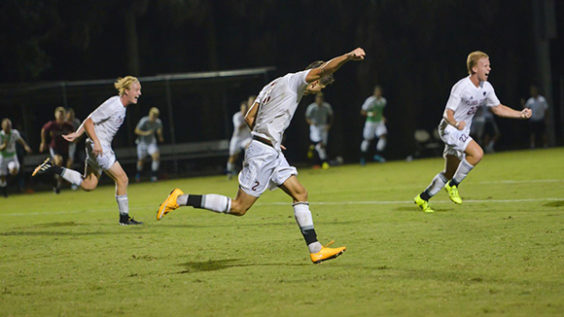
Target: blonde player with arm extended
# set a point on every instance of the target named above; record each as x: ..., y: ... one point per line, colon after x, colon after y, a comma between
x: 461, y: 152
x: 101, y: 126
x: 265, y: 165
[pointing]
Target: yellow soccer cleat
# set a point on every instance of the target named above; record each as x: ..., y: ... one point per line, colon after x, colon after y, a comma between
x: 169, y: 204
x: 453, y: 193
x: 326, y: 253
x: 423, y: 204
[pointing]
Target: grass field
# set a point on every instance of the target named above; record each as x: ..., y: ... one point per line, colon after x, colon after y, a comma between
x: 500, y: 253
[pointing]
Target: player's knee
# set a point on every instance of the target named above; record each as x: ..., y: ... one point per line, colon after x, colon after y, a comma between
x: 89, y: 184
x: 123, y: 180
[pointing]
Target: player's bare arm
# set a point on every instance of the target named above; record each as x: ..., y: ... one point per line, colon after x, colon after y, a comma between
x: 72, y: 137
x: 506, y: 112
x: 89, y: 127
x: 160, y: 135
x: 143, y: 132
x: 25, y: 145
x: 4, y: 145
x: 43, y: 138
x: 334, y: 64
x: 251, y: 115
x: 449, y: 118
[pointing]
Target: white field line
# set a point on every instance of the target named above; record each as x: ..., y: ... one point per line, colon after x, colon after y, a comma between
x: 313, y: 203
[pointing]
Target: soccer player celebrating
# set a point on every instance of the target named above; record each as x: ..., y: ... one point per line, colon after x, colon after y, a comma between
x: 101, y: 126
x: 319, y: 116
x: 9, y: 163
x: 241, y: 136
x: 375, y: 125
x: 58, y: 147
x: 461, y: 152
x: 146, y: 129
x: 265, y: 165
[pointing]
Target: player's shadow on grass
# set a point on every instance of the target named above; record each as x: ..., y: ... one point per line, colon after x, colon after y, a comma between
x: 558, y: 203
x: 211, y: 265
x: 216, y: 265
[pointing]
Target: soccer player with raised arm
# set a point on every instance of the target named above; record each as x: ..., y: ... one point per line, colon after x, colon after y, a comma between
x: 461, y: 152
x: 9, y: 164
x: 146, y: 129
x: 265, y: 165
x: 101, y: 126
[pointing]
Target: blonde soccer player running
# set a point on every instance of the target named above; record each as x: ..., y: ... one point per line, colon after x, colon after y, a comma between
x: 461, y: 152
x: 101, y: 126
x: 265, y: 165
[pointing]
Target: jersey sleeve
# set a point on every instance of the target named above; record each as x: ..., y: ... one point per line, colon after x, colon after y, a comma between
x: 297, y: 81
x: 309, y: 110
x: 329, y: 109
x: 141, y: 123
x: 103, y: 112
x: 366, y: 104
x: 17, y: 135
x: 455, y: 97
x: 491, y: 99
x: 159, y: 124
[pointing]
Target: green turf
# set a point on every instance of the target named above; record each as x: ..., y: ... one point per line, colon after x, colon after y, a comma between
x: 500, y: 253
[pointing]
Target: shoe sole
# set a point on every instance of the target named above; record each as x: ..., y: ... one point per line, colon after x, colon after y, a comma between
x: 330, y: 258
x: 39, y: 167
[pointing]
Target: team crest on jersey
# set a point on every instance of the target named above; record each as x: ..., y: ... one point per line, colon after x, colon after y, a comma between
x: 484, y: 93
x: 120, y: 119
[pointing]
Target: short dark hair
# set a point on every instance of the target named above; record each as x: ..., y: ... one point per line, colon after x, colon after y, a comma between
x: 325, y: 80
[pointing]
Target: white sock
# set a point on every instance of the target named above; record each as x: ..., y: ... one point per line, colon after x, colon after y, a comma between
x: 462, y: 171
x: 303, y: 217
x: 123, y: 204
x: 381, y: 145
x: 364, y: 145
x: 437, y: 184
x: 155, y: 166
x: 217, y: 203
x: 72, y: 176
x: 321, y: 151
x: 182, y: 200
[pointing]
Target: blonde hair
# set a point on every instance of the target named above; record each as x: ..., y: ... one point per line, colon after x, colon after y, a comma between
x: 154, y: 110
x: 60, y: 109
x: 122, y: 84
x: 473, y: 58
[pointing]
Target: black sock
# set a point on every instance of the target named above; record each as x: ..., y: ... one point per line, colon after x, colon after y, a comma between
x: 425, y: 195
x: 310, y: 236
x: 453, y: 182
x: 194, y: 201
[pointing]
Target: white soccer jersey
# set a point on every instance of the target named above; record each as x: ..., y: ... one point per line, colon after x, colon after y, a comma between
x: 538, y: 106
x: 240, y: 128
x: 107, y: 118
x: 145, y: 124
x: 278, y: 102
x: 319, y: 115
x: 465, y: 99
x: 10, y: 149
